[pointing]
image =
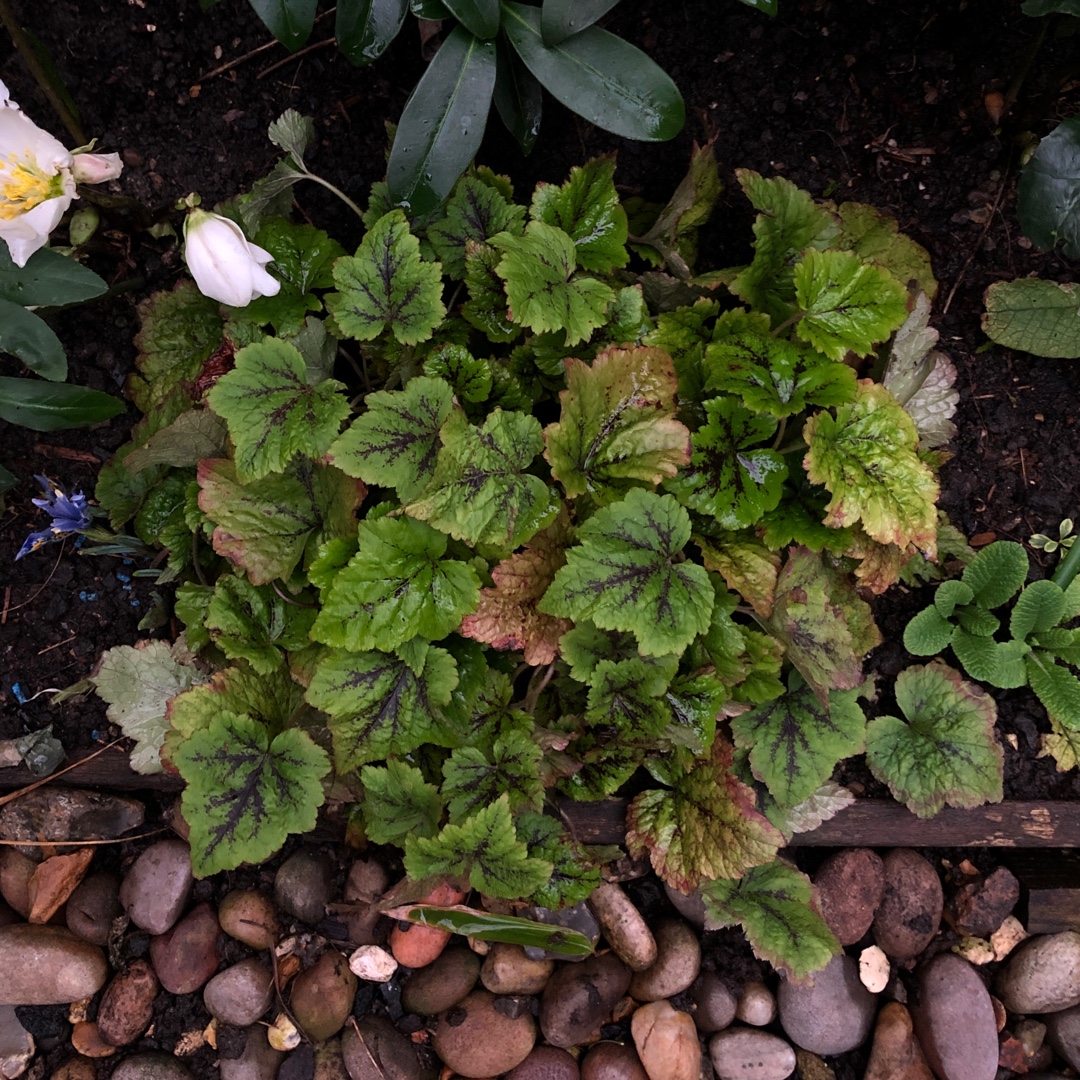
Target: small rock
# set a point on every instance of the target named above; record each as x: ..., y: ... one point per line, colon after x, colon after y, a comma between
x: 980, y: 908
x: 48, y: 965
x: 831, y: 1012
x: 259, y: 1060
x: 577, y: 917
x: 186, y: 956
x: 1043, y: 976
x: 1006, y: 937
x: 158, y: 885
x: 691, y: 906
x: 372, y: 963
x: 16, y: 870
x: 322, y: 997
x: 366, y: 882
x: 283, y: 1034
x: 714, y: 1003
x: 92, y: 907
x: 874, y: 969
x: 742, y: 1053
x: 16, y: 1044
x: 622, y: 924
x: 59, y: 813
x: 416, y: 946
x: 77, y: 1068
x: 850, y: 885
x: 430, y: 990
x: 151, y: 1066
x: 329, y: 1063
x: 127, y: 1006
x: 757, y: 1005
x: 507, y: 970
x: 302, y: 885
x: 375, y: 1050
x: 954, y: 1020
x: 667, y: 1042
x: 86, y: 1039
x: 240, y: 994
x: 1063, y: 1034
x: 579, y: 998
x: 910, y: 911
x: 476, y: 1039
x: 546, y: 1063
x: 612, y: 1061
x: 678, y: 961
x: 895, y: 1053
x: 811, y: 1067
x: 249, y: 916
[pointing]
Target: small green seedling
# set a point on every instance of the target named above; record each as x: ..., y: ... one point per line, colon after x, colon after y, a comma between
x: 1065, y: 538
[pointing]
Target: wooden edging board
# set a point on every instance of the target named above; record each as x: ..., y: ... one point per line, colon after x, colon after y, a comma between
x: 867, y: 823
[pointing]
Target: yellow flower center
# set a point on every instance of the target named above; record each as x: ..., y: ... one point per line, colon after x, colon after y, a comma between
x: 23, y: 185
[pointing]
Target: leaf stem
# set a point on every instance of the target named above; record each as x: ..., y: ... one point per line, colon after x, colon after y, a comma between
x: 1068, y: 568
x: 329, y: 187
x: 791, y: 321
x: 780, y: 433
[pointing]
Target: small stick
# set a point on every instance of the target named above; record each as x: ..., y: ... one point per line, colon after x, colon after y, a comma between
x: 49, y: 648
x: 295, y: 56
x: 7, y: 602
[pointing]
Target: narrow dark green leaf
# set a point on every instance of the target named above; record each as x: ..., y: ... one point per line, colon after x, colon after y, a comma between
x: 290, y: 21
x: 561, y: 18
x: 600, y: 77
x: 1049, y: 191
x: 25, y: 335
x: 48, y: 279
x: 485, y: 926
x: 519, y: 97
x: 43, y: 406
x: 364, y: 28
x: 479, y: 17
x: 443, y: 123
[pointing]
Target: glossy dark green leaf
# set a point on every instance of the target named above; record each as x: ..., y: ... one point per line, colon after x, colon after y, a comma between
x: 45, y: 406
x: 600, y: 77
x: 479, y: 17
x: 25, y: 335
x: 1051, y: 7
x: 561, y: 18
x: 290, y: 21
x: 1048, y: 195
x: 429, y: 9
x: 7, y: 480
x: 443, y: 123
x: 486, y: 926
x: 768, y: 6
x: 518, y: 97
x: 364, y: 28
x: 48, y: 279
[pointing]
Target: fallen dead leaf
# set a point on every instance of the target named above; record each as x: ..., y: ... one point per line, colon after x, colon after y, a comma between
x: 54, y: 881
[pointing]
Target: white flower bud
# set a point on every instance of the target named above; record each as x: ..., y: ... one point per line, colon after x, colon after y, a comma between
x: 226, y: 266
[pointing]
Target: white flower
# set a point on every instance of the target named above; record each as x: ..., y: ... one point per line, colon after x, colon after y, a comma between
x: 37, y: 179
x: 226, y: 266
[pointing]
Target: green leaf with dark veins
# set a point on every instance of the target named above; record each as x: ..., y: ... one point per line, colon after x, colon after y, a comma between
x: 245, y: 794
x: 487, y: 307
x: 574, y: 875
x: 624, y: 576
x: 617, y: 424
x: 379, y: 703
x: 480, y: 491
x: 475, y: 212
x: 399, y: 803
x: 587, y: 208
x: 731, y: 476
x: 796, y: 741
x: 848, y: 305
x: 272, y: 412
x: 946, y: 753
x: 474, y: 779
x: 543, y: 291
x: 774, y: 905
x: 303, y: 255
x: 484, y: 850
x: 395, y: 443
x: 387, y: 285
x: 626, y: 698
x: 469, y: 377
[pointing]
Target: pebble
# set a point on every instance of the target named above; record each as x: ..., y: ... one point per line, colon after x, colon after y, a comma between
x: 757, y: 1005
x: 158, y: 885
x: 910, y: 911
x: 127, y: 1006
x: 86, y: 1039
x: 475, y: 1039
x: 372, y: 963
x: 249, y: 916
x: 895, y: 1053
x: 678, y: 961
x: 850, y: 885
x: 366, y: 882
x: 16, y: 869
x: 48, y: 965
x: 416, y: 946
x: 151, y: 1066
x: 186, y: 956
x: 576, y: 917
x: 1063, y: 1034
x: 92, y: 907
x: 240, y: 994
x: 16, y: 1044
x: 831, y: 1012
x: 743, y: 1053
x: 1043, y: 975
x: 980, y: 908
x: 714, y: 1003
x: 507, y: 970
x: 258, y: 1061
x: 76, y: 1068
x: 954, y: 1020
x: 322, y: 997
x: 612, y: 1061
x: 546, y: 1063
x: 579, y: 998
x: 624, y: 927
x: 329, y: 1063
x: 302, y: 885
x: 667, y: 1042
x: 691, y: 906
x: 67, y: 814
x: 376, y: 1050
x: 441, y: 984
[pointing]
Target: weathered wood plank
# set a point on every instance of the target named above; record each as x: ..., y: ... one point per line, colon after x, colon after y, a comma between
x: 108, y: 770
x: 1051, y: 888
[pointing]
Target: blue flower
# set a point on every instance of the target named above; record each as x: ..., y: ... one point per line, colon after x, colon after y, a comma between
x: 69, y: 515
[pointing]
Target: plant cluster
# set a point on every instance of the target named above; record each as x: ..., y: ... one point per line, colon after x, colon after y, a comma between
x: 510, y: 505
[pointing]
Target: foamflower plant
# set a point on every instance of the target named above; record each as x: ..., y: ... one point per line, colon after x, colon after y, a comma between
x: 38, y: 175
x: 226, y: 266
